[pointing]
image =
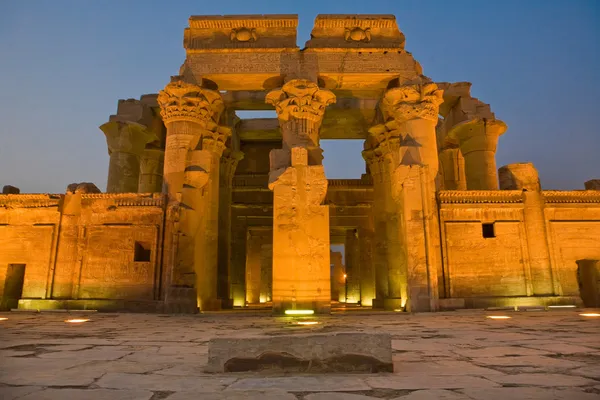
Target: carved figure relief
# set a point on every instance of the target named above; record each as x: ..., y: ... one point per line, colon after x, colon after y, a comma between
x: 358, y: 34
x: 243, y: 35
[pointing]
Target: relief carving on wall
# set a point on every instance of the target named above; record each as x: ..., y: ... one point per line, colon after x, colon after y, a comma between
x: 243, y: 35
x: 358, y: 34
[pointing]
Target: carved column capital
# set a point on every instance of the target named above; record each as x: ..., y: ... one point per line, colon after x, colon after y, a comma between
x: 477, y: 134
x: 214, y: 140
x: 405, y: 103
x: 182, y: 101
x: 152, y: 161
x: 126, y: 136
x: 229, y: 162
x: 300, y: 99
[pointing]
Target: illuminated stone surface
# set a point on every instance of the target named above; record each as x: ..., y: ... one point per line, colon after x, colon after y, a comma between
x: 303, y: 353
x: 206, y: 211
x: 448, y: 355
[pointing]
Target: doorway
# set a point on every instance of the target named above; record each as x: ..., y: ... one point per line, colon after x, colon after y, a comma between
x: 13, y: 286
x: 588, y: 278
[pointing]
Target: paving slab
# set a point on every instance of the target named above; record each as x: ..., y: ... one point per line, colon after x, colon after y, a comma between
x: 442, y: 367
x: 235, y: 395
x: 337, y: 396
x: 528, y: 393
x: 163, y: 383
x: 543, y: 380
x: 88, y: 394
x: 428, y: 382
x: 330, y: 352
x: 15, y: 392
x: 433, y: 395
x: 526, y: 361
x: 501, y: 351
x: 86, y: 355
x: 562, y: 348
x: 303, y: 384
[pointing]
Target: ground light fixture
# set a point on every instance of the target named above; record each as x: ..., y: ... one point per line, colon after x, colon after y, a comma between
x: 3, y: 318
x: 76, y: 320
x: 299, y: 312
x: 592, y: 315
x: 498, y: 317
x: 307, y: 323
x: 564, y: 306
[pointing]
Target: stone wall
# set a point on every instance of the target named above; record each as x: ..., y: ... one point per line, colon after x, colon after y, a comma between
x: 487, y: 253
x: 81, y: 246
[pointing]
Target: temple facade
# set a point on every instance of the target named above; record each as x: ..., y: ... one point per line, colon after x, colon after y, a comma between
x: 206, y: 211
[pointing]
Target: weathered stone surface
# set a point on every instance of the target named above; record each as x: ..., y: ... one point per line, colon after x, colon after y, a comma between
x: 9, y: 189
x: 527, y: 393
x: 321, y: 352
x: 16, y: 392
x: 337, y: 396
x: 163, y: 383
x: 433, y: 395
x: 83, y: 187
x: 519, y: 176
x: 303, y: 383
x: 592, y: 184
x: 429, y: 382
x: 235, y: 395
x: 543, y: 380
x: 89, y: 394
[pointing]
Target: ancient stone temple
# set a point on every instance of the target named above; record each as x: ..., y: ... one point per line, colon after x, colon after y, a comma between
x: 207, y: 211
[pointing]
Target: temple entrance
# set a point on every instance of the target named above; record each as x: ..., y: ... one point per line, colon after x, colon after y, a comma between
x: 13, y: 286
x: 588, y: 277
x: 259, y: 267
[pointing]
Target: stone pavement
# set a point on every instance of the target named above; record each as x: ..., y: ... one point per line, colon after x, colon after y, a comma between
x: 447, y: 356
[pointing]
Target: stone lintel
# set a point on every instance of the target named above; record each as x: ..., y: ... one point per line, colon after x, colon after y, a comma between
x: 334, y: 352
x: 240, y: 32
x: 356, y: 31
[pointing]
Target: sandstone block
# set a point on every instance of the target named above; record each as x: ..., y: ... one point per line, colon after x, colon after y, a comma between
x: 519, y: 176
x: 8, y: 189
x: 307, y: 353
x: 593, y: 184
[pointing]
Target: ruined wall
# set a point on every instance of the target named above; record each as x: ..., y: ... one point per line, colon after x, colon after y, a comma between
x: 83, y: 246
x: 500, y: 264
x: 573, y: 224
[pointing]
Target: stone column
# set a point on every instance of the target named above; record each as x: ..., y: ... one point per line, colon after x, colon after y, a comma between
x: 382, y: 212
x: 195, y: 143
x: 338, y: 278
x: 524, y: 176
x: 266, y: 273
x: 301, y: 269
x: 151, y: 171
x: 126, y: 142
x: 367, y: 272
x: 229, y: 162
x: 253, y: 268
x: 408, y: 137
x: 239, y: 237
x: 453, y: 169
x: 477, y: 139
x: 414, y: 191
x: 352, y: 259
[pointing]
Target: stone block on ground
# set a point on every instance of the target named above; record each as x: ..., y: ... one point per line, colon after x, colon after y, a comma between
x: 335, y: 352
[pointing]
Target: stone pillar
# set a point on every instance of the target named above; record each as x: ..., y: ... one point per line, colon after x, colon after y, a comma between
x: 524, y: 176
x: 367, y: 272
x: 593, y: 184
x: 453, y: 169
x: 384, y: 214
x: 253, y: 268
x: 408, y: 137
x: 151, y: 171
x: 229, y: 162
x: 266, y: 273
x: 338, y: 278
x: 195, y: 143
x: 414, y: 191
x: 126, y: 142
x: 301, y: 269
x: 239, y: 236
x: 352, y: 261
x: 477, y: 139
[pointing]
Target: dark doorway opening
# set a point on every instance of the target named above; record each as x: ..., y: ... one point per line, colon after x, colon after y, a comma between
x: 142, y: 252
x: 588, y: 278
x: 13, y: 286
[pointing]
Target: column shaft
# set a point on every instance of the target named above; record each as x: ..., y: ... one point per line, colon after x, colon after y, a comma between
x: 266, y: 273
x: 253, y: 268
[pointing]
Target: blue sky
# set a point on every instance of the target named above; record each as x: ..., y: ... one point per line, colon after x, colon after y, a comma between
x: 65, y: 63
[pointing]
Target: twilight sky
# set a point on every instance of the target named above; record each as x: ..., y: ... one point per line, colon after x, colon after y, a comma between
x: 65, y: 63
